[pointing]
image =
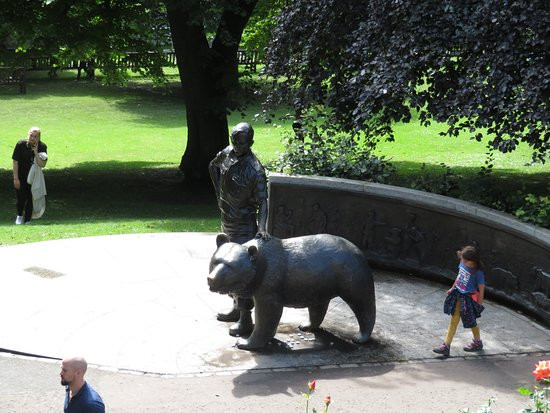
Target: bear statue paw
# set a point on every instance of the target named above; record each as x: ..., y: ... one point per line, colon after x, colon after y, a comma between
x: 244, y: 344
x: 308, y: 327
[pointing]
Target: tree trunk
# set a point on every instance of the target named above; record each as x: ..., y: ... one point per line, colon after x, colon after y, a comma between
x: 208, y: 76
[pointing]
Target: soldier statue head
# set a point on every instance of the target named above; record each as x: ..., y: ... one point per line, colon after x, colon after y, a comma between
x: 242, y: 139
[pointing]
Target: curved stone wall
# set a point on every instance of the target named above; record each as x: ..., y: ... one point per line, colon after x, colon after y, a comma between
x: 418, y: 233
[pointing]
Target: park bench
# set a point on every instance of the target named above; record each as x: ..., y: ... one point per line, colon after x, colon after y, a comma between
x: 13, y: 76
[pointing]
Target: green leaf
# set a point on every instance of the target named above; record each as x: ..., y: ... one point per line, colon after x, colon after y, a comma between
x: 524, y: 391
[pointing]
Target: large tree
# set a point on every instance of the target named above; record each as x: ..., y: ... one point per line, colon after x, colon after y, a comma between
x: 208, y: 73
x: 481, y: 66
x: 84, y: 29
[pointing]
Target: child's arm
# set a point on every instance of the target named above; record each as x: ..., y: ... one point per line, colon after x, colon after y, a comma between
x: 451, y: 289
x: 481, y: 288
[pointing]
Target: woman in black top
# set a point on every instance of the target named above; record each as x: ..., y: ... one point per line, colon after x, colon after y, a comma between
x: 24, y: 154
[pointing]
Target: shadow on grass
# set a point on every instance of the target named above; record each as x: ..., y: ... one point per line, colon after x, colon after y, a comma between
x: 115, y: 191
x: 505, y: 180
x: 154, y: 106
x: 138, y: 167
x: 159, y: 106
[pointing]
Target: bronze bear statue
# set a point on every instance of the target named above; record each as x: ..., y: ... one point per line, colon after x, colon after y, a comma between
x: 296, y: 272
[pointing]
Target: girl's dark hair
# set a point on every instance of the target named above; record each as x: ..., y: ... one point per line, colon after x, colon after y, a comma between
x: 470, y: 253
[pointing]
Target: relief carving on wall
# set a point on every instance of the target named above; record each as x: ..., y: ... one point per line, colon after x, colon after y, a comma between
x: 414, y: 242
x: 370, y: 231
x: 317, y: 221
x: 283, y: 226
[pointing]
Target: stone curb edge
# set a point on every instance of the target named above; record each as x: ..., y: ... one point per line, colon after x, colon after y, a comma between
x: 235, y: 372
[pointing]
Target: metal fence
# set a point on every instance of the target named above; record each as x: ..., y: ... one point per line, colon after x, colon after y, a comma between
x: 249, y: 59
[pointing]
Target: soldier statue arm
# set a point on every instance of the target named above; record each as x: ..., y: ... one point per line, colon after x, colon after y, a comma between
x: 262, y: 220
x: 261, y: 197
x: 214, y: 171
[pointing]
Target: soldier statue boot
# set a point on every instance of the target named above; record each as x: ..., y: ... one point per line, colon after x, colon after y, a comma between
x: 244, y: 325
x: 232, y: 315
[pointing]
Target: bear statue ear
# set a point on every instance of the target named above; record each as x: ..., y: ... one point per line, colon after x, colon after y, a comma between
x: 221, y: 239
x: 253, y: 252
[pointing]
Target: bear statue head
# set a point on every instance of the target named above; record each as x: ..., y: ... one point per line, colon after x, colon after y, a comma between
x: 232, y: 267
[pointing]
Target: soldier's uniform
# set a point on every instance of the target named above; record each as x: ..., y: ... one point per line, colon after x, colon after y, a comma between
x: 242, y: 187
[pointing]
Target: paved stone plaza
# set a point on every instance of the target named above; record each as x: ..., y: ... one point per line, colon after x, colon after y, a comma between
x: 139, y: 309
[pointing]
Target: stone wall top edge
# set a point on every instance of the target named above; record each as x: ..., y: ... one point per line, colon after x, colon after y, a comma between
x: 419, y: 198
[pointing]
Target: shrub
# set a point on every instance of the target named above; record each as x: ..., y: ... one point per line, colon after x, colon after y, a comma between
x: 535, y: 210
x: 442, y: 184
x: 331, y: 154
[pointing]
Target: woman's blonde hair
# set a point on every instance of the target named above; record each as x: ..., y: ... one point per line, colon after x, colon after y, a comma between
x: 35, y: 129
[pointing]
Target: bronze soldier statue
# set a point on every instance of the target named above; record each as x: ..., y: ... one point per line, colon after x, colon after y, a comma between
x: 241, y: 189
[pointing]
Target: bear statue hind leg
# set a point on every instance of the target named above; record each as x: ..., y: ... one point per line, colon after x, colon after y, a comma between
x: 267, y: 316
x: 316, y: 316
x: 365, y: 312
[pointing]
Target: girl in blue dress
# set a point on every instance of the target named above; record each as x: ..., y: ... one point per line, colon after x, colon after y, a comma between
x: 465, y: 300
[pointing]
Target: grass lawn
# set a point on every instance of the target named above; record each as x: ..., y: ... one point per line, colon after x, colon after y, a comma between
x: 114, y: 153
x: 416, y: 145
x: 113, y: 162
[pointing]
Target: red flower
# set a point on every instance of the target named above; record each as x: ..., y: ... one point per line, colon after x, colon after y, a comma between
x: 311, y: 385
x: 542, y: 370
x: 327, y: 400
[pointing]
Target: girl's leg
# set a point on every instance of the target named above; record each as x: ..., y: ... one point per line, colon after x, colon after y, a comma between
x: 453, y: 324
x: 476, y: 332
x: 476, y: 344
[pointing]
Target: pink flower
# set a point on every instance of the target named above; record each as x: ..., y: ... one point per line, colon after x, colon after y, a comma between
x: 327, y: 400
x: 542, y: 370
x: 311, y: 385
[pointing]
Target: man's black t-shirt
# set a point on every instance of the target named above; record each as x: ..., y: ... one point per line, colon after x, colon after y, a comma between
x: 24, y: 156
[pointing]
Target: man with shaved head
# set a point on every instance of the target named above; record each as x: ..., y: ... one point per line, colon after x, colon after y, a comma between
x: 80, y: 397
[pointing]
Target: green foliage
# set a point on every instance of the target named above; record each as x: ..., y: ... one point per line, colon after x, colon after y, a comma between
x: 481, y: 67
x: 257, y: 33
x: 535, y: 210
x: 433, y: 181
x: 525, y: 391
x: 319, y: 150
x: 484, y: 189
x: 19, y: 27
x: 86, y: 30
x: 539, y: 398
